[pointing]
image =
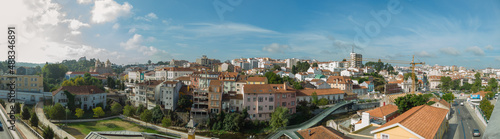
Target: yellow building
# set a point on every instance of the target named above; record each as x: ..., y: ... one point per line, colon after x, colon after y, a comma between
x: 27, y: 83
x: 421, y: 122
x: 257, y: 80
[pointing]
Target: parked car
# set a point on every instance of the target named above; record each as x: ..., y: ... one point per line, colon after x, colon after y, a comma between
x: 1, y: 127
x: 461, y: 103
x: 476, y: 133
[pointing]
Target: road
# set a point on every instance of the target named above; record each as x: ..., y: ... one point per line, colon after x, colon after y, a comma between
x: 466, y: 123
x: 4, y: 134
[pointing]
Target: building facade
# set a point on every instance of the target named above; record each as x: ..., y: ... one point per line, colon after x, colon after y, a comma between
x: 86, y: 97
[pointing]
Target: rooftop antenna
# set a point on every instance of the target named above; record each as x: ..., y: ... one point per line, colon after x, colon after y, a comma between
x: 352, y: 48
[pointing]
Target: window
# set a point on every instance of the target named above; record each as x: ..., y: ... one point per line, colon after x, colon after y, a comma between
x: 260, y: 108
x: 248, y: 99
x: 293, y: 103
x: 261, y: 99
x: 283, y: 96
x: 248, y: 107
x: 270, y: 107
x: 293, y: 95
x: 253, y: 107
x: 283, y: 104
x: 260, y: 115
x: 384, y: 136
x: 271, y: 99
x: 266, y: 98
x: 254, y: 99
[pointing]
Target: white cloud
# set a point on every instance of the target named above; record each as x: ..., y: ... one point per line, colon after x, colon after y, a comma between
x: 276, y: 48
x: 148, y: 17
x: 489, y: 47
x: 109, y: 10
x: 136, y: 43
x: 424, y: 54
x: 84, y: 1
x: 475, y: 50
x: 449, y: 51
x: 116, y: 26
x: 74, y: 25
x: 133, y: 42
x: 132, y: 30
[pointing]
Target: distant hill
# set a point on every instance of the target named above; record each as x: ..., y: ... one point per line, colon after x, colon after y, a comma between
x: 25, y: 64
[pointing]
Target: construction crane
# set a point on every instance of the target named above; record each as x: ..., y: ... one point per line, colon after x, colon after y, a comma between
x: 412, y: 63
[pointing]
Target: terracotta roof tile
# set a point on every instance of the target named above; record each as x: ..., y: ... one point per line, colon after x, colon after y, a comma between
x: 340, y: 79
x: 256, y: 79
x: 321, y: 132
x: 79, y: 90
x: 442, y: 101
x: 319, y: 92
x: 424, y: 120
x: 380, y: 112
x: 267, y: 88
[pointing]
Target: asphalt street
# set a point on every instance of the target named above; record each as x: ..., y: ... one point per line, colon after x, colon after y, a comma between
x: 466, y: 124
x: 5, y: 133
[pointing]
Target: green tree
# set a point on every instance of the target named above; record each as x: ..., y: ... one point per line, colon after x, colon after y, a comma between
x: 166, y: 122
x: 57, y: 112
x: 98, y: 112
x: 71, y: 101
x: 314, y: 98
x: 279, y: 118
x: 48, y: 133
x: 26, y: 113
x: 34, y: 120
x: 157, y: 114
x: 229, y: 124
x: 2, y: 102
x: 111, y: 82
x: 476, y: 86
x: 140, y: 109
x: 79, y: 112
x: 430, y: 103
x: 272, y: 78
x: 323, y: 101
x: 493, y: 84
x: 146, y: 116
x: 128, y: 110
x: 490, y: 95
x: 448, y: 97
x: 315, y: 65
x: 17, y: 106
x: 446, y: 84
x: 116, y: 108
x: 409, y: 101
x: 487, y: 108
x: 294, y: 69
x: 276, y: 67
x: 184, y: 102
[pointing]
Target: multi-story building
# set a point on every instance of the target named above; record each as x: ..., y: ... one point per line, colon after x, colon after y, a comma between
x: 434, y: 81
x: 168, y: 94
x: 200, y: 103
x: 261, y: 100
x: 215, y: 96
x: 291, y: 62
x: 257, y: 80
x: 340, y: 82
x: 356, y: 60
x: 25, y: 83
x: 87, y: 97
x: 144, y: 93
x: 332, y: 94
x: 178, y: 63
x: 101, y: 67
x: 171, y: 73
x: 205, y: 61
x: 229, y: 81
x: 201, y: 79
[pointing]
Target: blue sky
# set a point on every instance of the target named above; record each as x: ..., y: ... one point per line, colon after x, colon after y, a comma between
x: 462, y: 33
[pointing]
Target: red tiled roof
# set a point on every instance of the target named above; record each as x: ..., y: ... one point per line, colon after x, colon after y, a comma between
x: 319, y: 92
x: 79, y: 90
x: 380, y: 112
x: 267, y: 88
x: 423, y: 120
x: 256, y: 79
x: 340, y: 79
x: 442, y: 101
x: 321, y: 132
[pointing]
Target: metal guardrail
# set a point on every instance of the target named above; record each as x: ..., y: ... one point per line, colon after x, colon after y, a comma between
x: 31, y: 129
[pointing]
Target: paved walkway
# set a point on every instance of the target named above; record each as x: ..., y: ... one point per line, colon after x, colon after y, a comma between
x: 159, y: 128
x: 82, y: 120
x: 26, y: 130
x: 41, y: 116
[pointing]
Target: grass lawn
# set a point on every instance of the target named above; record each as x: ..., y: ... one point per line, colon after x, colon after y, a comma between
x: 80, y: 130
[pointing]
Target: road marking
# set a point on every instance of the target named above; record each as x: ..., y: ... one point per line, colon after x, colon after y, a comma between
x: 463, y: 128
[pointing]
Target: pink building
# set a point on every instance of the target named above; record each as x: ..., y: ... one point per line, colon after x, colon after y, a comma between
x: 261, y: 100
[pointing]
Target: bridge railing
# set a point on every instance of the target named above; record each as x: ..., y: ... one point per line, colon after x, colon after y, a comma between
x: 329, y: 110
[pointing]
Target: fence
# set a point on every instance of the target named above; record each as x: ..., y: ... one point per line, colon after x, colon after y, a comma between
x: 31, y: 129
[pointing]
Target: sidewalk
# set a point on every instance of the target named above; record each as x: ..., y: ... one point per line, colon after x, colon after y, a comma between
x: 159, y: 128
x: 475, y: 117
x: 41, y: 116
x: 83, y: 120
x: 26, y: 130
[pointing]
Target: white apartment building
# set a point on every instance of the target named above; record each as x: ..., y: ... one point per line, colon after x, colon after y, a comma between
x: 168, y: 94
x: 87, y: 97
